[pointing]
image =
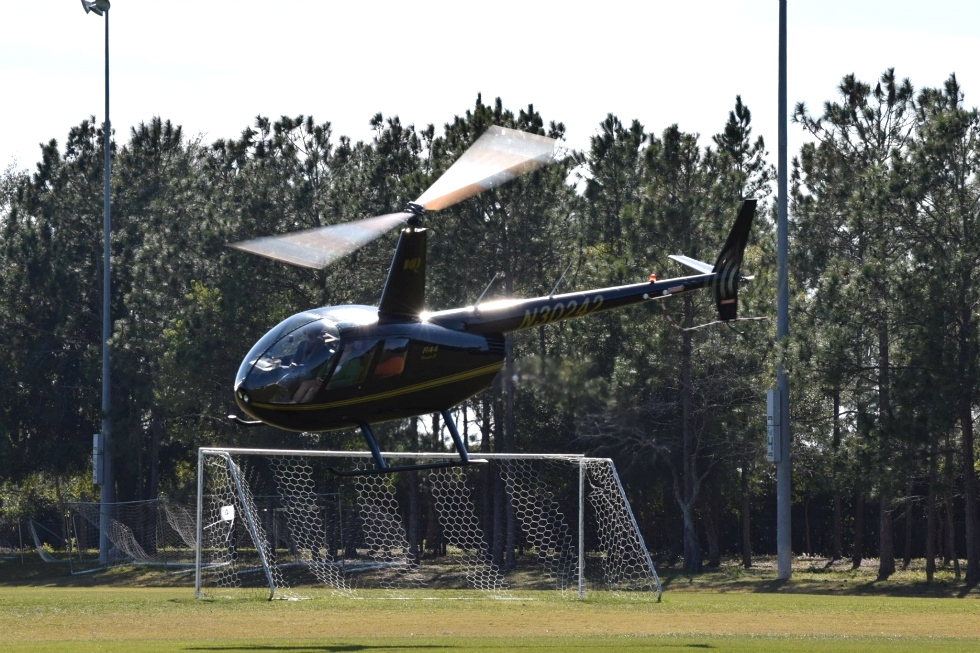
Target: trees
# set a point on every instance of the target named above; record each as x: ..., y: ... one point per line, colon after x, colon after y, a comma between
x: 885, y: 196
x: 51, y: 307
x: 682, y: 399
x: 884, y: 354
x: 848, y: 220
x: 943, y: 166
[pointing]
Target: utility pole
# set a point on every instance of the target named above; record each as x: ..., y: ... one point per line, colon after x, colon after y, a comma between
x: 784, y: 468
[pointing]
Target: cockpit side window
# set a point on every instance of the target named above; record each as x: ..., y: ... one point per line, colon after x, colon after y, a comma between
x: 392, y: 360
x: 353, y: 365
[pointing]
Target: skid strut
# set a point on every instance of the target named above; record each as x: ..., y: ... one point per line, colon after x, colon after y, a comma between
x: 381, y: 467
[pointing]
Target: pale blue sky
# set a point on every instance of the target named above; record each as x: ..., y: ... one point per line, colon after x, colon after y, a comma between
x: 212, y: 66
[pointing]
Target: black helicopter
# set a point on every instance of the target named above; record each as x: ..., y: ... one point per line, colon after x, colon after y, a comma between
x: 352, y: 366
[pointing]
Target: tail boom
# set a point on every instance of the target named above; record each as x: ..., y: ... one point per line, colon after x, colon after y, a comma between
x: 509, y: 315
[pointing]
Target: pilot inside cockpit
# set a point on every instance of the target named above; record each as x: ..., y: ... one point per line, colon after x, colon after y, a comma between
x: 311, y: 346
x: 350, y: 370
x: 308, y: 364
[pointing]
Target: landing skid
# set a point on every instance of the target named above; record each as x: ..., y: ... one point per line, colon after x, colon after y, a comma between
x: 381, y: 467
x: 244, y: 422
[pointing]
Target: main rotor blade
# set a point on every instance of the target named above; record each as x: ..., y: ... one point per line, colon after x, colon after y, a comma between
x: 318, y: 248
x: 498, y: 156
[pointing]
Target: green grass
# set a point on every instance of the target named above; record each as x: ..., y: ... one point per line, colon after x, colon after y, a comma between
x: 524, y: 645
x: 728, y: 609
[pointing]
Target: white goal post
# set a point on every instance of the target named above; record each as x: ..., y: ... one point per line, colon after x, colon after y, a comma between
x: 281, y: 524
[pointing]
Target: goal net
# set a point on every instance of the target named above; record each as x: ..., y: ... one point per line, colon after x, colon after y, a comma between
x: 280, y: 524
x: 152, y: 532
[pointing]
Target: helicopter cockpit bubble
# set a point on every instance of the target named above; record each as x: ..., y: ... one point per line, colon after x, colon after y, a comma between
x: 298, y: 349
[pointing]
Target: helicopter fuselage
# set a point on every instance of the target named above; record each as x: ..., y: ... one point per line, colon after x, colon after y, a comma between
x: 370, y: 370
x: 403, y: 370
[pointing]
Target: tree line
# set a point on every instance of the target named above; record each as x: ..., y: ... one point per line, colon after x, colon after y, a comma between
x: 882, y: 355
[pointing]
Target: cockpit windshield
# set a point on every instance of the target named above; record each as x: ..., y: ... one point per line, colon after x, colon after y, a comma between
x: 293, y: 366
x: 308, y: 346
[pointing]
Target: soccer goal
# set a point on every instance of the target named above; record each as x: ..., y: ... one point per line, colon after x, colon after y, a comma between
x: 280, y: 524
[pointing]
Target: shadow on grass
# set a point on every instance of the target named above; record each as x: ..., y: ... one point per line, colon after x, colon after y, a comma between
x: 326, y: 648
x: 810, y: 576
x: 33, y: 572
x: 344, y: 648
x: 971, y: 588
x: 817, y: 576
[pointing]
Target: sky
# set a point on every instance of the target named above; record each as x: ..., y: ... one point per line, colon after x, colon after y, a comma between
x: 213, y: 66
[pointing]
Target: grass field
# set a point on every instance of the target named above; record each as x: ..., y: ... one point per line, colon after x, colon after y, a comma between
x: 729, y: 609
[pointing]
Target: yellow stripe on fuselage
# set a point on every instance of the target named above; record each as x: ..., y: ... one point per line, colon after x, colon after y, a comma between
x: 418, y: 387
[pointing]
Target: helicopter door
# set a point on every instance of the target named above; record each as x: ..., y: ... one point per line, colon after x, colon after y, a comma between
x: 353, y: 365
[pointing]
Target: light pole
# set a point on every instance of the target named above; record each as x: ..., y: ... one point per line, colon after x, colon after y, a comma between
x: 784, y: 468
x: 101, y: 8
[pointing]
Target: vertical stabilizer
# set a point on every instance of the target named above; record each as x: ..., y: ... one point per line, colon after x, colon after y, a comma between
x: 729, y: 263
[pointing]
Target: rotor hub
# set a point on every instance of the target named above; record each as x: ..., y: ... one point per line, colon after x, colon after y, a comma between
x: 417, y: 211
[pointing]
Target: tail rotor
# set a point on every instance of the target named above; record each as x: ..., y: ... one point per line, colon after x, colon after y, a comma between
x: 729, y: 263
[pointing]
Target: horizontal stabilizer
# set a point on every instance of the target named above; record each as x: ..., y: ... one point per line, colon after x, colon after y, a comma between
x: 694, y: 264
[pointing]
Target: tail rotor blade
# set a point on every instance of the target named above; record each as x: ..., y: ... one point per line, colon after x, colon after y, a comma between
x: 498, y: 156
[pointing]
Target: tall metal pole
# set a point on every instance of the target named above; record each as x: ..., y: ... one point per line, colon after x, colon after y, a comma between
x: 107, y: 494
x: 784, y: 468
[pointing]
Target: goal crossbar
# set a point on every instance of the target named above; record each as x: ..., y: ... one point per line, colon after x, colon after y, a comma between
x: 313, y: 453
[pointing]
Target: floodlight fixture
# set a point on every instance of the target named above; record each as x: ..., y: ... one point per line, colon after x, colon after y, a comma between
x: 98, y: 7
